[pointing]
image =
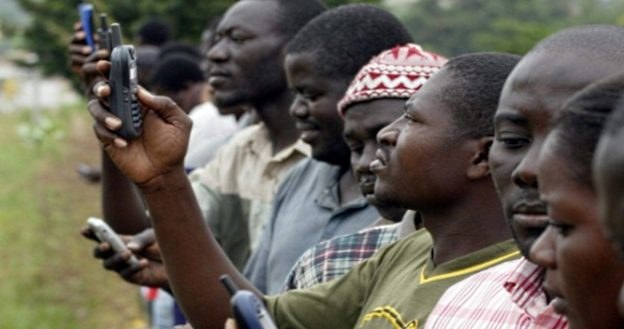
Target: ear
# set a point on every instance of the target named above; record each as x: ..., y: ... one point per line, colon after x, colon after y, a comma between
x: 479, y: 167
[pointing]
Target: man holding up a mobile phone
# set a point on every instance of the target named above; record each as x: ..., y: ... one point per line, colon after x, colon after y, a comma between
x: 235, y: 191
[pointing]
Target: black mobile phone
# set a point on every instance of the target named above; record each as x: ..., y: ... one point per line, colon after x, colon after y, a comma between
x: 249, y: 311
x: 124, y: 85
x: 104, y: 34
x: 86, y: 19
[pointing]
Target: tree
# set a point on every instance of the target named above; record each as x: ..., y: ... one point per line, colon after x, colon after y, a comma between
x: 51, y: 27
x: 453, y: 27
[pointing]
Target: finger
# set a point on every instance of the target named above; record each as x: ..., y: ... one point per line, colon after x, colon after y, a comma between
x: 77, y: 60
x: 104, y: 67
x: 89, y: 69
x: 102, y: 90
x: 80, y: 49
x: 163, y: 106
x: 117, y: 262
x: 102, y: 251
x: 142, y: 240
x: 129, y: 271
x: 230, y: 324
x: 78, y: 26
x: 99, y: 55
x: 88, y: 233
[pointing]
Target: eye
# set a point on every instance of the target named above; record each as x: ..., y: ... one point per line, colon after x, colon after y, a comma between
x: 306, y: 95
x: 408, y: 117
x: 356, y: 148
x: 310, y: 96
x: 513, y: 141
x: 562, y: 228
x: 238, y: 37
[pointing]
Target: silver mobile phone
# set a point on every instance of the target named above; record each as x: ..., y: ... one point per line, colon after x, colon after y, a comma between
x: 105, y: 233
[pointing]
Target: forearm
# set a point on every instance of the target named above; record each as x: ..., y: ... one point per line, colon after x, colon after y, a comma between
x: 192, y: 257
x: 122, y: 205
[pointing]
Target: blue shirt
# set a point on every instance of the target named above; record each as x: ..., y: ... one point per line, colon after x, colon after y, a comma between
x: 306, y: 211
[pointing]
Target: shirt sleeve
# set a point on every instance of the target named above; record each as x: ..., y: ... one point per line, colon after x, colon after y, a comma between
x: 256, y: 269
x: 335, y: 304
x: 294, y: 279
x: 226, y: 216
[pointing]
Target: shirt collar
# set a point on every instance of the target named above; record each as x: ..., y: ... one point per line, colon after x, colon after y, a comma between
x: 262, y: 145
x: 524, y: 284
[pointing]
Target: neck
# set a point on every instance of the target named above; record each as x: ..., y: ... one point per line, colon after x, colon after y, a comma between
x: 348, y: 187
x: 474, y: 222
x: 280, y: 124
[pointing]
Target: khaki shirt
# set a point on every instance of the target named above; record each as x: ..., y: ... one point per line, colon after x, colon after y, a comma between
x: 235, y: 191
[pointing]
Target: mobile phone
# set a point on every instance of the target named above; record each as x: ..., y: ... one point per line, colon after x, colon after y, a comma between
x: 86, y: 19
x: 249, y: 311
x: 104, y: 34
x: 124, y: 85
x: 105, y: 233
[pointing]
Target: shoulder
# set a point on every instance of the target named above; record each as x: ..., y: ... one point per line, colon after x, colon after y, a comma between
x: 254, y: 132
x: 374, y: 237
x: 415, y: 246
x: 307, y: 169
x: 493, y: 277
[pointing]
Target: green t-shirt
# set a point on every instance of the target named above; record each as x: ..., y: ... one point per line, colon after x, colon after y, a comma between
x: 396, y: 288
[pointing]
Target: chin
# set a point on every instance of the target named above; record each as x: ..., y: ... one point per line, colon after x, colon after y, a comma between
x: 384, y: 194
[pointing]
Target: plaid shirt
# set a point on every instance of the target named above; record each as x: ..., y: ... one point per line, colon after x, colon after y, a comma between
x: 332, y: 258
x: 509, y: 295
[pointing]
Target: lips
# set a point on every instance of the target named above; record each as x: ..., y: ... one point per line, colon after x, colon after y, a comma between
x: 558, y: 302
x: 367, y: 184
x: 218, y: 78
x: 379, y: 164
x: 530, y: 215
x: 309, y: 131
x: 560, y: 305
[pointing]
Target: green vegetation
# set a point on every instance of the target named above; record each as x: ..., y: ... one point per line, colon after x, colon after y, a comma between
x: 454, y: 27
x: 48, y: 277
x: 52, y: 22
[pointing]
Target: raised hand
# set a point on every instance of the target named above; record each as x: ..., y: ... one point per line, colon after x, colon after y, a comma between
x: 158, y: 151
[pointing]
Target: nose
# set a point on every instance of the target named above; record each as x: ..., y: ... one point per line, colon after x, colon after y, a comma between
x: 364, y: 160
x: 543, y: 250
x: 217, y: 52
x: 298, y: 108
x: 389, y: 134
x: 525, y: 174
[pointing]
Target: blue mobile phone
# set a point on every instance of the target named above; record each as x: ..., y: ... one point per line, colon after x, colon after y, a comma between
x: 249, y: 311
x: 86, y: 19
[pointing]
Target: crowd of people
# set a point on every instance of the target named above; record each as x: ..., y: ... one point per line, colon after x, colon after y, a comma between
x: 352, y: 179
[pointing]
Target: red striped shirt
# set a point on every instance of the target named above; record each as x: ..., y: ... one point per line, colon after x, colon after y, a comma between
x: 509, y: 295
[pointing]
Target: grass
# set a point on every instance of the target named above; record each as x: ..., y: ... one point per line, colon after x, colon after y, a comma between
x: 48, y: 278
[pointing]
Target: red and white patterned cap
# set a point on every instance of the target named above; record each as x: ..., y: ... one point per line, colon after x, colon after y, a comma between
x: 395, y: 73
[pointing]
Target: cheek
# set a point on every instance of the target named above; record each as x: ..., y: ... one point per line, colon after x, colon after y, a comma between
x: 590, y: 272
x: 407, y: 154
x: 502, y: 165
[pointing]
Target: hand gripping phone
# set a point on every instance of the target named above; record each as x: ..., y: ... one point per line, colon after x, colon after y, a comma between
x: 86, y: 19
x: 124, y: 85
x: 249, y: 311
x: 105, y: 233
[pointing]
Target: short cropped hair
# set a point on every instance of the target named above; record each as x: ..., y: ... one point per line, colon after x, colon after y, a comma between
x: 473, y: 93
x: 294, y: 14
x: 154, y: 32
x: 176, y: 72
x: 176, y: 47
x: 345, y: 38
x: 579, y: 124
x: 604, y: 42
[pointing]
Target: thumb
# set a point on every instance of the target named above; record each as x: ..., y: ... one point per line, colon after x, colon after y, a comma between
x: 142, y: 240
x: 230, y: 324
x: 161, y: 105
